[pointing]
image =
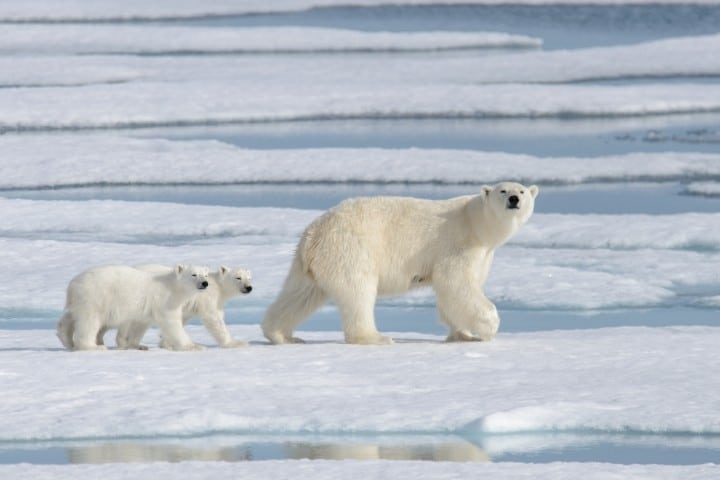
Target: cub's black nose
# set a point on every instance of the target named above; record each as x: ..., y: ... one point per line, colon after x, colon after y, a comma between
x: 204, y: 284
x: 513, y: 200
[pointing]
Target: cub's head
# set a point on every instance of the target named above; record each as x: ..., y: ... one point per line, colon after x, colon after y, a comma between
x: 234, y: 280
x: 512, y: 201
x: 192, y: 276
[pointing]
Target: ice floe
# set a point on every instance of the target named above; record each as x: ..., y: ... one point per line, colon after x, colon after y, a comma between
x: 710, y: 189
x: 172, y: 40
x: 637, y: 379
x: 35, y: 161
x: 155, y: 103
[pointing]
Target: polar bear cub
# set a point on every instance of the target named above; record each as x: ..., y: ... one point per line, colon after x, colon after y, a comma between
x: 209, y: 305
x: 123, y: 297
x: 367, y: 247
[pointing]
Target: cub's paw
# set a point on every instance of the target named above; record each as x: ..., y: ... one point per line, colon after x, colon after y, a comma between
x: 234, y: 344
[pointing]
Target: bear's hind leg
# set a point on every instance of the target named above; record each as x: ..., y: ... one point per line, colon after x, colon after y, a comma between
x: 299, y: 298
x: 357, y: 310
x: 86, y: 332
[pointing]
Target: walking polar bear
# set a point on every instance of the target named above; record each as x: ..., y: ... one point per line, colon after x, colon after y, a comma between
x: 209, y: 304
x: 130, y: 300
x: 367, y: 247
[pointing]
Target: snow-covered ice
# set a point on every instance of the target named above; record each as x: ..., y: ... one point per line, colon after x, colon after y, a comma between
x: 156, y: 103
x: 171, y: 39
x: 606, y: 380
x: 710, y: 189
x: 683, y: 56
x: 45, y: 160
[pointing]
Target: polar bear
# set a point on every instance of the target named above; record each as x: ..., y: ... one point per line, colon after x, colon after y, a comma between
x: 117, y: 296
x: 209, y: 305
x: 367, y: 247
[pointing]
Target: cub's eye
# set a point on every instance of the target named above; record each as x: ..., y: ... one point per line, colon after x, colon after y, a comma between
x: 194, y: 275
x: 503, y: 191
x: 522, y: 192
x: 238, y: 278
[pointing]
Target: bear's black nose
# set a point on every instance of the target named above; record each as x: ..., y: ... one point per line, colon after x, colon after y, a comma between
x: 513, y: 200
x: 204, y: 284
x: 248, y: 289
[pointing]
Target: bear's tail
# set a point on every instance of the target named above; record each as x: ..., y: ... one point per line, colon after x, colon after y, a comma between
x: 65, y: 329
x: 300, y: 297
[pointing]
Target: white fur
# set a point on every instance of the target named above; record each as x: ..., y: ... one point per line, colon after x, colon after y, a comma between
x: 367, y: 247
x: 209, y: 305
x: 130, y: 300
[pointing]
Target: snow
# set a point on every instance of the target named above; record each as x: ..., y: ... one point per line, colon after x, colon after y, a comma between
x: 606, y: 380
x: 683, y: 56
x: 322, y: 470
x: 169, y: 39
x: 710, y: 189
x: 152, y: 103
x: 45, y: 160
x: 565, y: 260
x: 87, y: 10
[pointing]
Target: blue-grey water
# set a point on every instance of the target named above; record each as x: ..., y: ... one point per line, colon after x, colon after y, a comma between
x: 531, y: 448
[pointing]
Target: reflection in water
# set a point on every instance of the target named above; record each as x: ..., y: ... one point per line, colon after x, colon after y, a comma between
x: 124, y: 452
x: 442, y: 452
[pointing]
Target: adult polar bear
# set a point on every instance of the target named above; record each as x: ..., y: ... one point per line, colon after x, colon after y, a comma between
x: 367, y: 247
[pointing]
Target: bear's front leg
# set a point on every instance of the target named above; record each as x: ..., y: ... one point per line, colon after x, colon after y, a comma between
x: 215, y: 324
x: 174, y: 336
x: 462, y: 305
x: 357, y: 307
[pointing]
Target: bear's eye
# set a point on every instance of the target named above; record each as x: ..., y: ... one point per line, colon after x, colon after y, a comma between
x: 522, y: 192
x: 503, y: 191
x: 194, y: 275
x: 238, y: 278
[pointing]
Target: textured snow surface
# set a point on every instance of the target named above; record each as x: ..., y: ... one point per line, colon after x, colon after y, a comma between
x: 45, y: 160
x: 609, y: 380
x: 34, y: 10
x: 321, y: 470
x: 169, y: 39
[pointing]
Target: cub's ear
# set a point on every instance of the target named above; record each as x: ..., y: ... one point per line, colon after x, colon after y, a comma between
x: 534, y: 190
x: 179, y: 268
x: 224, y: 269
x: 485, y: 190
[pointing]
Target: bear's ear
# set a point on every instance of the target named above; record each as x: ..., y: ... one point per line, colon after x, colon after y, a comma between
x: 534, y: 190
x: 179, y: 268
x: 224, y: 270
x: 485, y: 190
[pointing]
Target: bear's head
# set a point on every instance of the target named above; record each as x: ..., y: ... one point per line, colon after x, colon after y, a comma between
x: 192, y: 277
x: 509, y: 202
x: 233, y: 280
